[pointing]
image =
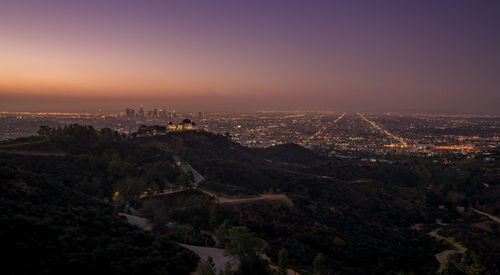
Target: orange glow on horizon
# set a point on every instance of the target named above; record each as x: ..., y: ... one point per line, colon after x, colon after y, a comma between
x: 394, y: 145
x: 246, y: 55
x: 455, y: 147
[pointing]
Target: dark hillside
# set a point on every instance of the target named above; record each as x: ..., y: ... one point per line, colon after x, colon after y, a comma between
x: 370, y: 208
x: 48, y: 228
x: 363, y: 216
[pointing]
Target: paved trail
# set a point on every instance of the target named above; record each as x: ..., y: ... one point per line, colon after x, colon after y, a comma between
x: 187, y: 167
x: 217, y: 255
x: 137, y: 221
x: 443, y: 255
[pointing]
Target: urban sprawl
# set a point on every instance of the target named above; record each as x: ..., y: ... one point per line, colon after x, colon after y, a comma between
x: 329, y: 133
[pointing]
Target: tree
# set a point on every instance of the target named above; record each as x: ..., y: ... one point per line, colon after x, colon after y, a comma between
x: 468, y: 263
x: 227, y: 269
x: 475, y: 267
x: 210, y: 261
x: 45, y: 131
x: 243, y: 243
x: 206, y: 267
x: 130, y: 188
x: 151, y: 130
x: 190, y: 177
x: 162, y: 171
x: 118, y: 168
x: 222, y: 232
x: 184, y: 179
x: 107, y: 135
x: 283, y: 262
x: 88, y: 187
x: 319, y: 264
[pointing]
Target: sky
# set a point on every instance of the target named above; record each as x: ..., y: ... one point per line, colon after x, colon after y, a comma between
x: 409, y: 56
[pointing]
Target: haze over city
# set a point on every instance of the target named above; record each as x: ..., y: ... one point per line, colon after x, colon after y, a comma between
x: 423, y: 56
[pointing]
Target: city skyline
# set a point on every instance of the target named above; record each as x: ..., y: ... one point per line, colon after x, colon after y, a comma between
x: 438, y: 57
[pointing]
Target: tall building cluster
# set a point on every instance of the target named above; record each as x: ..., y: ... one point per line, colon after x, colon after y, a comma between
x: 156, y: 114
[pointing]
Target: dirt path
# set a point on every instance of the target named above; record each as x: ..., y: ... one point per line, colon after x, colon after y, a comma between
x: 495, y: 218
x: 277, y: 197
x: 220, y: 199
x: 165, y: 192
x: 223, y: 200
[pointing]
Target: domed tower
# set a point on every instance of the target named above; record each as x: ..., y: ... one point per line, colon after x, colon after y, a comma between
x: 187, y: 124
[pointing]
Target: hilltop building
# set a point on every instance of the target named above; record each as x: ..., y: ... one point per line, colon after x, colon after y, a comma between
x: 185, y: 125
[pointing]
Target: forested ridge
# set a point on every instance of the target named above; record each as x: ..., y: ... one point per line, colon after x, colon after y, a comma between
x: 62, y: 191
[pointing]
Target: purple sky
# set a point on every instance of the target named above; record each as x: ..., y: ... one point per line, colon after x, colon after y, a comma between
x: 436, y: 56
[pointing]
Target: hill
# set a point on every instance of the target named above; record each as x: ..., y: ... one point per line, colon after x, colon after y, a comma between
x: 344, y: 207
x: 48, y: 228
x: 363, y: 217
